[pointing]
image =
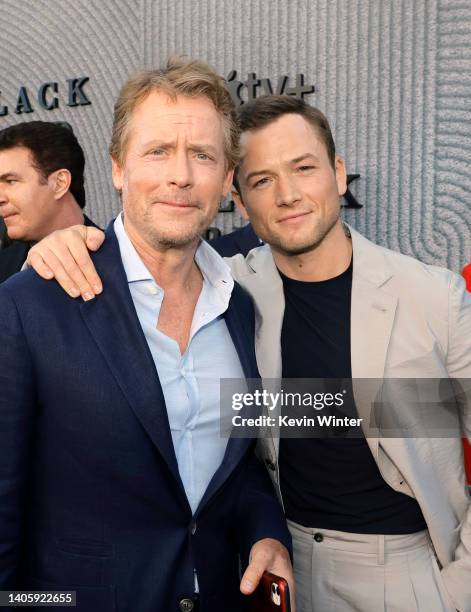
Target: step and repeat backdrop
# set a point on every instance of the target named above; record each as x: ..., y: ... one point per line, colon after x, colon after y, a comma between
x: 393, y: 76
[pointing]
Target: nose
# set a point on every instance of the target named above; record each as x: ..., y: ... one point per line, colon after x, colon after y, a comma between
x: 287, y: 193
x: 179, y: 172
x: 3, y: 195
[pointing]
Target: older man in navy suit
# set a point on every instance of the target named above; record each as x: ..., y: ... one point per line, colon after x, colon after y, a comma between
x: 114, y: 480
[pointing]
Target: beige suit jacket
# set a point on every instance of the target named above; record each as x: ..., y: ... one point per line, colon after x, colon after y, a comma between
x: 408, y: 319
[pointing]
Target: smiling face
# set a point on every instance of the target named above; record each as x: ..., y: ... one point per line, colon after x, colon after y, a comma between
x: 27, y: 202
x: 174, y: 172
x: 288, y: 185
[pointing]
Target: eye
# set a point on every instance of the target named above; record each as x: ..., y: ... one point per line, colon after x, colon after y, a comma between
x: 203, y: 156
x: 11, y: 181
x: 305, y: 168
x: 261, y: 182
x: 157, y: 152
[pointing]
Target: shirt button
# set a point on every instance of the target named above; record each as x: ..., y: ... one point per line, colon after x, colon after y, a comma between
x: 318, y: 537
x: 193, y: 528
x: 186, y: 604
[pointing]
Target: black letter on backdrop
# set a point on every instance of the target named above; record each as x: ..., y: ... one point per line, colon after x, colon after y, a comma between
x: 23, y: 105
x: 42, y: 93
x: 76, y: 93
x: 3, y: 110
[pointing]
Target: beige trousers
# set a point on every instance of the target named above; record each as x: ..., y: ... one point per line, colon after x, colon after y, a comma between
x: 347, y: 572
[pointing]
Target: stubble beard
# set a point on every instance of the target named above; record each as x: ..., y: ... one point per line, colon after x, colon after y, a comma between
x: 176, y: 235
x: 285, y: 247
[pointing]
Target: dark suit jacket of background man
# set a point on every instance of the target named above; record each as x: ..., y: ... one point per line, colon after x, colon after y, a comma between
x: 241, y: 241
x: 90, y: 494
x: 13, y: 256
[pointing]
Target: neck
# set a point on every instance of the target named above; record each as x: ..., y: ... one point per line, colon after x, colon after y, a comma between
x: 68, y: 213
x: 326, y: 260
x: 173, y: 268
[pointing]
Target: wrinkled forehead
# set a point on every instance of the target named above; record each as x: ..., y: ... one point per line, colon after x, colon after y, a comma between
x: 161, y: 115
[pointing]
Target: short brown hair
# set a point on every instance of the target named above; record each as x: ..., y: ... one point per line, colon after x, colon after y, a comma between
x: 181, y: 76
x: 52, y: 146
x: 262, y: 111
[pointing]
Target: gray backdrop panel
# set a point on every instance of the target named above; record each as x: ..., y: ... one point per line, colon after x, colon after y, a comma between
x: 393, y: 76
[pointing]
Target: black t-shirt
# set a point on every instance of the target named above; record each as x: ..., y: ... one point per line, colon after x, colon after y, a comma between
x: 332, y: 483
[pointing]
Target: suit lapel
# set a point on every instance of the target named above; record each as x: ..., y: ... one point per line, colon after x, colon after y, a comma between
x: 236, y: 447
x: 262, y: 281
x: 114, y: 325
x: 266, y: 288
x: 238, y: 330
x: 372, y: 317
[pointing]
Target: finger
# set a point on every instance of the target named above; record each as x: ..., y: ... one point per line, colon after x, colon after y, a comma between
x: 74, y: 276
x: 94, y: 238
x: 60, y: 274
x: 83, y: 272
x: 252, y: 576
x: 35, y: 261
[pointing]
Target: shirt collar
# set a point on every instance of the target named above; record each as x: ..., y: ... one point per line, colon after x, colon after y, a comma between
x: 212, y: 266
x: 134, y: 268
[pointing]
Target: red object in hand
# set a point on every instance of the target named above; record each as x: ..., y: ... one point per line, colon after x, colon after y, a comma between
x: 271, y: 595
x: 467, y: 276
x: 467, y: 459
x: 467, y: 446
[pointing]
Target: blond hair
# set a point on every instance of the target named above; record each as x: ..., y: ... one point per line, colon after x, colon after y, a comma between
x: 181, y: 76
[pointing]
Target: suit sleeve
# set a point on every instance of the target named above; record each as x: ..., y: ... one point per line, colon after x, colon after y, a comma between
x: 456, y: 575
x: 260, y: 514
x: 16, y: 427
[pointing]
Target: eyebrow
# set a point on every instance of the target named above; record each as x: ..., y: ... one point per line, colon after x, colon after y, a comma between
x: 305, y: 156
x: 296, y: 160
x: 206, y: 147
x: 9, y: 175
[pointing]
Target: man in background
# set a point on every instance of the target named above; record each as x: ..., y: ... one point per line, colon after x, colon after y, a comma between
x: 41, y: 187
x: 241, y: 241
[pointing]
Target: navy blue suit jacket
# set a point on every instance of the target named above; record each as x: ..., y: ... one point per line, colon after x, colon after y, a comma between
x: 242, y: 241
x: 90, y: 494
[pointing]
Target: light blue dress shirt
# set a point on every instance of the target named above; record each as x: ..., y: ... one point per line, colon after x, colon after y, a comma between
x: 190, y: 382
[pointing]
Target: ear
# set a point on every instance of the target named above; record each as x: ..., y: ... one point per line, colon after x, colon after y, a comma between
x: 117, y: 174
x: 226, y: 186
x: 240, y: 204
x: 60, y: 181
x: 340, y: 175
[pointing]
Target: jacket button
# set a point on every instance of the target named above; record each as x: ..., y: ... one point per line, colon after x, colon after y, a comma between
x: 318, y: 537
x: 193, y: 528
x: 186, y: 604
x: 270, y: 465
